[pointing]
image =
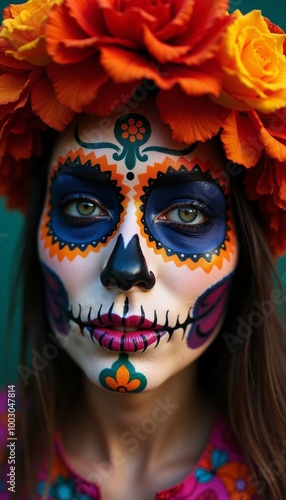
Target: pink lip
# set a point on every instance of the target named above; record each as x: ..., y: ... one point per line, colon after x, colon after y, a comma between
x: 104, y: 330
x: 115, y: 321
x: 125, y: 341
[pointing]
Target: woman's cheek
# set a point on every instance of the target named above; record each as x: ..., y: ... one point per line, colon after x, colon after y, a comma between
x: 208, y: 312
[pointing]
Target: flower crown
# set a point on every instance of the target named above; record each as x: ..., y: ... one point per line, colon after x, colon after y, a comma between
x: 216, y: 73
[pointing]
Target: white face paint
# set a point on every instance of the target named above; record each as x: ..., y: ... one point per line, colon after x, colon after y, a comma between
x: 138, y: 248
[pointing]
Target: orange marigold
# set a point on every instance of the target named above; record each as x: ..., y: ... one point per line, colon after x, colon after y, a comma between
x: 266, y: 184
x: 24, y: 28
x: 254, y: 65
x: 172, y: 43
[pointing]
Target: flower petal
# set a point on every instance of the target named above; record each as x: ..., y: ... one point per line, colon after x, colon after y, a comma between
x: 47, y: 107
x: 163, y: 52
x: 128, y: 24
x: 61, y: 31
x: 240, y: 138
x: 112, y: 98
x: 111, y: 383
x: 205, y: 79
x: 123, y: 376
x: 89, y: 15
x: 274, y: 136
x: 133, y: 385
x: 12, y: 85
x: 125, y: 66
x: 188, y: 118
x: 68, y: 80
x: 206, y: 26
x: 180, y: 22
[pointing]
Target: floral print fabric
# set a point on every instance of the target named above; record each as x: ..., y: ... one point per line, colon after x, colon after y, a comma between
x: 220, y: 474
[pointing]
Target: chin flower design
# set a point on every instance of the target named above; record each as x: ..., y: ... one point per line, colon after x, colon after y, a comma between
x: 122, y: 377
x: 214, y: 73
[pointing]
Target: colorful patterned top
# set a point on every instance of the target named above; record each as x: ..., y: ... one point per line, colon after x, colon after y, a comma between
x: 220, y: 474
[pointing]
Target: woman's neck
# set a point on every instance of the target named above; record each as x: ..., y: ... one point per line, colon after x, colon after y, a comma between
x: 155, y: 424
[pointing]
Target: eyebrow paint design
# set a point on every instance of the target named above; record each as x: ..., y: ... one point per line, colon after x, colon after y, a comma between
x: 132, y: 131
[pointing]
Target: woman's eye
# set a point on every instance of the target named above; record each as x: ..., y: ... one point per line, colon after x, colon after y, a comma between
x: 183, y: 214
x: 85, y: 208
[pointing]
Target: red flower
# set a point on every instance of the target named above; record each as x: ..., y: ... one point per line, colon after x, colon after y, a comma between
x: 207, y: 495
x: 266, y: 183
x: 169, y: 494
x: 235, y: 477
x: 174, y: 44
x: 23, y: 61
x: 245, y: 135
x: 27, y: 103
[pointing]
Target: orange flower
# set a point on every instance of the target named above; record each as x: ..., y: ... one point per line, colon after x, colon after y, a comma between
x: 23, y: 27
x: 27, y: 100
x: 254, y: 65
x: 266, y: 183
x: 122, y: 377
x: 246, y: 135
x: 19, y: 139
x: 173, y: 43
x: 234, y: 476
x: 133, y: 130
x: 122, y: 382
x: 22, y: 83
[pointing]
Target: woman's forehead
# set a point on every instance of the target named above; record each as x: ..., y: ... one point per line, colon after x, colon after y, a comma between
x: 133, y: 141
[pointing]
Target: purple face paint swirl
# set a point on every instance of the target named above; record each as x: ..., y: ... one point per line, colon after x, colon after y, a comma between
x: 209, y: 309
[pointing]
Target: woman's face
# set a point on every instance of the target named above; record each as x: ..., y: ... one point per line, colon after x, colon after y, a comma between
x: 138, y: 248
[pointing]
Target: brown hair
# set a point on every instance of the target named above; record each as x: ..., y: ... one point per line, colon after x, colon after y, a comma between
x: 247, y: 360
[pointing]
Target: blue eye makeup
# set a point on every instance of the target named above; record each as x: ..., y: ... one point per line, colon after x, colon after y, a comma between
x: 85, y: 205
x: 185, y: 212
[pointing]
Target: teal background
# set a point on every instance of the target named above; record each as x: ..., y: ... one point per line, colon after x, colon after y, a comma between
x: 11, y: 222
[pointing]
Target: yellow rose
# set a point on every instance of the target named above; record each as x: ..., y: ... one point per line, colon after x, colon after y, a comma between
x: 254, y: 65
x: 24, y: 26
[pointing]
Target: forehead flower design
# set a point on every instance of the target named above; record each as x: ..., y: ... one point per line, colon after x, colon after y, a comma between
x: 214, y: 74
x: 131, y: 131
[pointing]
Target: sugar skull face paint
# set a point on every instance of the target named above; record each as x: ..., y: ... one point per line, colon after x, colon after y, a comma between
x: 138, y: 248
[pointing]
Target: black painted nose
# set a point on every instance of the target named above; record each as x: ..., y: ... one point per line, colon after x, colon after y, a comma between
x: 126, y: 267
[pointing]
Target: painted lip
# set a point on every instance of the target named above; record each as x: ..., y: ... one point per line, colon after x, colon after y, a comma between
x: 114, y: 321
x: 131, y: 341
x: 105, y: 330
